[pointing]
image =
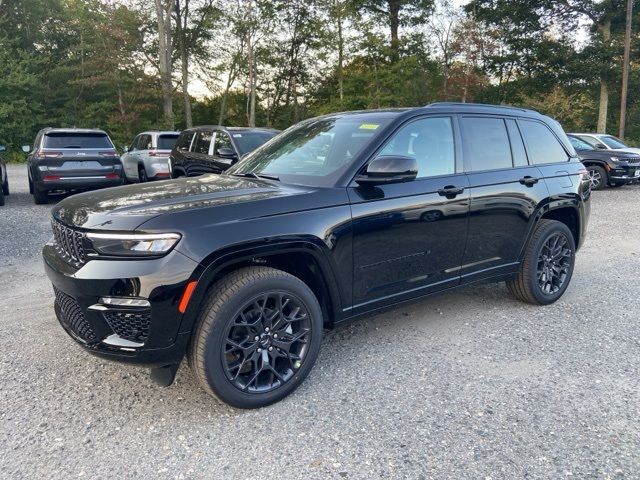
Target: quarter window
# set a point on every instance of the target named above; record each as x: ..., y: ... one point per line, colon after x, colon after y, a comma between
x: 517, y: 145
x: 486, y: 143
x: 429, y: 141
x: 222, y: 141
x: 202, y: 142
x: 542, y: 145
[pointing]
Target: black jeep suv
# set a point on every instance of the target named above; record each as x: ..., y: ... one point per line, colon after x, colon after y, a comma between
x: 338, y: 217
x: 607, y: 167
x: 213, y: 149
x: 72, y: 159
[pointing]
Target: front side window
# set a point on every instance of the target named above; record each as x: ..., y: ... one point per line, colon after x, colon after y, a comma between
x: 222, y: 141
x: 315, y: 152
x: 202, y: 142
x: 542, y: 145
x: 145, y: 142
x: 134, y: 144
x: 486, y: 143
x: 429, y: 141
x: 249, y: 141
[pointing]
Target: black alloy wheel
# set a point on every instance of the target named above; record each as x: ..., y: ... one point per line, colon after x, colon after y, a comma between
x: 554, y: 263
x: 267, y: 342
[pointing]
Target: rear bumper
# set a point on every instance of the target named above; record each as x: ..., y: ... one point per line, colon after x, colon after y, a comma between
x: 147, y: 335
x: 78, y: 183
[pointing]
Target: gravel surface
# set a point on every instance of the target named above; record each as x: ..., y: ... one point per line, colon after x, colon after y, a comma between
x: 467, y: 385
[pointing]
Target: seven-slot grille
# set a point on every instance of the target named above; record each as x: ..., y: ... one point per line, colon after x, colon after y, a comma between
x: 68, y: 242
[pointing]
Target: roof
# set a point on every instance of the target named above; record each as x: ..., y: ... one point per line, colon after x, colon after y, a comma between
x: 232, y: 129
x: 73, y: 130
x: 597, y: 135
x: 160, y: 132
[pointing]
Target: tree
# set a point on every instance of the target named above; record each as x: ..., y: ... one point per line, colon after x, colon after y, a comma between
x: 165, y: 58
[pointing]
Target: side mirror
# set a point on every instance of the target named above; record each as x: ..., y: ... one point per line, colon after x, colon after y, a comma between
x: 600, y: 146
x: 3, y: 148
x: 125, y: 149
x: 26, y: 148
x: 389, y: 169
x: 226, y: 152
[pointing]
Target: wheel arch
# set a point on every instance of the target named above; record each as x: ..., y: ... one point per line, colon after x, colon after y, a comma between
x: 302, y: 259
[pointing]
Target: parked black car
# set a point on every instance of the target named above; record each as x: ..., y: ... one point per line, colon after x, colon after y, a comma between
x: 72, y: 159
x: 607, y: 167
x: 340, y: 216
x: 4, y: 178
x: 213, y: 149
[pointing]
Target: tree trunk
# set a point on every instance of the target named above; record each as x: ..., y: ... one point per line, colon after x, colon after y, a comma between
x: 625, y: 70
x: 605, y: 31
x: 165, y: 46
x: 394, y: 23
x: 252, y: 83
x: 182, y: 19
x: 339, y: 7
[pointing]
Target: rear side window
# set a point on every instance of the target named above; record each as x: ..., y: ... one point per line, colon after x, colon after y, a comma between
x: 542, y: 145
x: 430, y: 142
x: 144, y: 142
x: 202, y: 142
x: 166, y: 142
x: 486, y: 143
x: 76, y: 140
x: 517, y: 145
x: 184, y: 141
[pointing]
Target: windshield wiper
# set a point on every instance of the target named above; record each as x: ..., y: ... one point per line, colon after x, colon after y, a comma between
x: 256, y: 175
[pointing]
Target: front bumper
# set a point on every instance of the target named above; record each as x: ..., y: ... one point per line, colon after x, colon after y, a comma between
x: 625, y: 173
x: 148, y: 335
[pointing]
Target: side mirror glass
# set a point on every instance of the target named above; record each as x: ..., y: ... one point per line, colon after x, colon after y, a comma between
x: 389, y: 169
x: 226, y: 152
x: 125, y: 148
x: 26, y: 148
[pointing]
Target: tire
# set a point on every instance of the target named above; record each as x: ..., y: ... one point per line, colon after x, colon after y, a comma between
x: 5, y: 187
x: 597, y: 177
x: 1, y: 199
x: 142, y: 175
x: 40, y: 197
x: 30, y: 186
x: 526, y: 285
x: 246, y: 297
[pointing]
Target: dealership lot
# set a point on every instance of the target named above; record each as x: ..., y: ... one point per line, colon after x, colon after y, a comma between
x: 470, y: 384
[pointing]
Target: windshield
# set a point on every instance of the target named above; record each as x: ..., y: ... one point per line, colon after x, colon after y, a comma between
x: 166, y: 142
x: 580, y: 144
x: 315, y: 152
x: 249, y: 141
x: 76, y: 140
x: 613, y: 142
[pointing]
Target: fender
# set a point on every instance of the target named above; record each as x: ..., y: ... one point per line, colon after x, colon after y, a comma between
x: 209, y: 269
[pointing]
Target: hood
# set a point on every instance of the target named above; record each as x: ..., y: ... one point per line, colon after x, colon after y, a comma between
x: 607, y: 154
x: 627, y: 150
x: 126, y: 208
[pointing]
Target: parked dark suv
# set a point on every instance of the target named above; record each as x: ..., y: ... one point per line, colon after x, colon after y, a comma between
x: 213, y: 149
x: 72, y: 159
x: 339, y: 217
x: 4, y: 178
x: 607, y: 167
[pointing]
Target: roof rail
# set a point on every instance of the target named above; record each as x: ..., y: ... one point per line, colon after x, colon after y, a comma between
x: 483, y: 105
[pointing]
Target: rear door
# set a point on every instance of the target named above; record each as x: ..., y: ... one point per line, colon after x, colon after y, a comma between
x: 199, y: 159
x: 79, y: 154
x: 504, y: 193
x: 180, y: 153
x: 409, y: 238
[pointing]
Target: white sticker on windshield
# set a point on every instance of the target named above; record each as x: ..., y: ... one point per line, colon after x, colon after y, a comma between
x: 237, y: 135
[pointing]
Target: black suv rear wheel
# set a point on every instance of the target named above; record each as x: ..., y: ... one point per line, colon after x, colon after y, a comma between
x: 257, y: 338
x: 547, y: 267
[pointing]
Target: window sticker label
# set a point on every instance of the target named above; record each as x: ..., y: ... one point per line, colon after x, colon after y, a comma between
x: 237, y: 135
x: 369, y: 126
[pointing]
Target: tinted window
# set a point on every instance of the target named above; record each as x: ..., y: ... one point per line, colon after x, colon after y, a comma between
x: 486, y: 143
x: 430, y: 142
x: 613, y: 142
x: 249, y: 141
x: 76, y: 140
x: 517, y: 145
x: 134, y: 144
x: 222, y: 141
x: 202, y: 142
x: 542, y: 145
x: 315, y: 152
x: 580, y: 144
x: 591, y: 140
x: 144, y: 142
x: 184, y: 141
x: 166, y: 142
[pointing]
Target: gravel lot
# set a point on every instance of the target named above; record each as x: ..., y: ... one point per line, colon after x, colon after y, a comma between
x: 465, y: 385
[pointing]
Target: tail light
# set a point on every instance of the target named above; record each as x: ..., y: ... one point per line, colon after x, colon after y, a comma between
x: 108, y: 153
x: 51, y: 178
x: 46, y: 154
x: 112, y: 176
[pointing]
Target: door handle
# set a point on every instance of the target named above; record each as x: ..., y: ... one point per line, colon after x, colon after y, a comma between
x: 529, y: 181
x: 450, y: 191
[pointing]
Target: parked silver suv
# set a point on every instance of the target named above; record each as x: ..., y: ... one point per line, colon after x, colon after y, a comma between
x: 147, y: 157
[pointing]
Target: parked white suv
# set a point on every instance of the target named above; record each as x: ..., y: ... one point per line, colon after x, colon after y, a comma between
x: 602, y: 141
x: 147, y: 157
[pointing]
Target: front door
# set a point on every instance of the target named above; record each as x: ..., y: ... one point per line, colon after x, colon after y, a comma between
x: 408, y: 238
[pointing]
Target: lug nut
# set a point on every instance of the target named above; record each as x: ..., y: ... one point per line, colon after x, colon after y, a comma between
x: 270, y: 348
x: 275, y: 335
x: 266, y: 329
x: 259, y: 350
x: 256, y: 338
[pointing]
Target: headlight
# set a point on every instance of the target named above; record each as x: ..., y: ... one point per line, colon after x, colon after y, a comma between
x: 133, y: 244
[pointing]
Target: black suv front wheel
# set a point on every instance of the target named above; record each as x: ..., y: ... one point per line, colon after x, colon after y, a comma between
x: 257, y: 338
x: 547, y: 265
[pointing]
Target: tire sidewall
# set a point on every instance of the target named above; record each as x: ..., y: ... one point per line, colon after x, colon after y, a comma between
x: 213, y: 367
x: 550, y: 229
x: 603, y: 176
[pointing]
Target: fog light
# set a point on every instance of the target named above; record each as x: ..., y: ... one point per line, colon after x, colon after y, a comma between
x: 125, y: 302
